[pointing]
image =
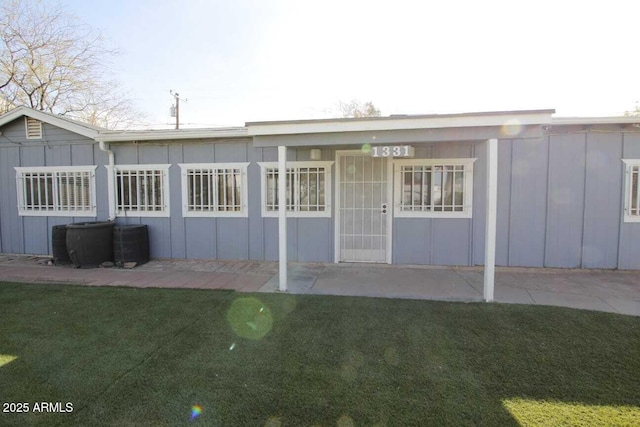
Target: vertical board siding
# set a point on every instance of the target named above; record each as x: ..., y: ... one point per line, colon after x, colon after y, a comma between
x: 450, y: 243
x: 417, y: 231
x: 177, y: 222
x: 528, y: 202
x: 479, y: 203
x: 271, y: 238
x: 12, y: 228
x: 58, y: 155
x: 232, y: 235
x: 200, y: 238
x: 503, y: 213
x: 159, y: 228
x: 256, y: 222
x: 603, y: 201
x: 438, y: 241
x: 629, y: 249
x: 565, y: 202
x: 313, y: 243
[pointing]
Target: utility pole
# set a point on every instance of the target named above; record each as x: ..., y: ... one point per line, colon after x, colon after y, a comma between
x: 175, y: 111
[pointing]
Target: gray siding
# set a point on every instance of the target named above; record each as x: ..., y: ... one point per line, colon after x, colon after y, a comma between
x: 565, y: 200
x: 58, y: 147
x: 527, y: 201
x: 603, y: 200
x: 309, y: 239
x: 629, y: 252
x: 560, y: 201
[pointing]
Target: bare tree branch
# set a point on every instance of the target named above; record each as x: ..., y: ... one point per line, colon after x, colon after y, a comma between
x: 357, y: 109
x: 52, y: 62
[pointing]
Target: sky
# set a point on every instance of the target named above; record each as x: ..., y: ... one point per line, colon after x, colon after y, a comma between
x: 236, y: 61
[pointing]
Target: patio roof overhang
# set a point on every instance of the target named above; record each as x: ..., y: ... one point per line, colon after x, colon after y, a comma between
x: 400, y: 129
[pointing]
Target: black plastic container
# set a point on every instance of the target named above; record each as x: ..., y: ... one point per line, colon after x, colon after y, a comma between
x: 89, y: 244
x: 130, y: 244
x: 59, y: 245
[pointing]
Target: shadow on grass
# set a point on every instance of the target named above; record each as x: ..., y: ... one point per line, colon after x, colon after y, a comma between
x: 148, y: 356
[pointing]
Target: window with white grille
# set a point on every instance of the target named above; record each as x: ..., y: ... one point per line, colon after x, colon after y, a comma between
x: 214, y: 189
x: 56, y: 191
x: 632, y: 190
x: 33, y: 128
x: 433, y: 188
x: 308, y: 189
x: 142, y: 190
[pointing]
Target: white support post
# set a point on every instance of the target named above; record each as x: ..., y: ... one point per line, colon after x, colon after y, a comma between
x: 490, y: 218
x: 282, y: 216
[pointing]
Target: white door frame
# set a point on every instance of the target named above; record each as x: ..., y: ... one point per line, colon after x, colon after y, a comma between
x: 336, y: 224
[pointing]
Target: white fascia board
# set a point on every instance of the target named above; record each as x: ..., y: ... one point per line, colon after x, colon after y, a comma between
x: 126, y: 136
x: 557, y: 121
x: 51, y: 119
x: 392, y: 123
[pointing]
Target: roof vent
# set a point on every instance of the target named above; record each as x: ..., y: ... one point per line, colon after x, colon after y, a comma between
x: 33, y: 128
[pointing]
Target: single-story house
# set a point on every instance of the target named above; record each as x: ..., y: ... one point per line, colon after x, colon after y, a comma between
x: 516, y: 188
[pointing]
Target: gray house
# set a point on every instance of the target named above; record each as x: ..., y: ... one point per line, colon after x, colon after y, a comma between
x: 546, y: 191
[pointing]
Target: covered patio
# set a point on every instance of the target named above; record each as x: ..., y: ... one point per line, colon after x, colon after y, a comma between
x: 369, y: 138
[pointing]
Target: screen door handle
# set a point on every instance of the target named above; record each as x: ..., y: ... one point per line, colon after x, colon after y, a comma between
x: 384, y: 208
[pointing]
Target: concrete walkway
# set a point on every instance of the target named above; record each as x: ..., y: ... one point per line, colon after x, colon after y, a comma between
x: 603, y: 290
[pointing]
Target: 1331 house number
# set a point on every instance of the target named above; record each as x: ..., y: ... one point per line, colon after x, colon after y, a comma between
x: 392, y: 151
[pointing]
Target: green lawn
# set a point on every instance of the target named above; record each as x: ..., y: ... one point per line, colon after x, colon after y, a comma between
x: 126, y: 357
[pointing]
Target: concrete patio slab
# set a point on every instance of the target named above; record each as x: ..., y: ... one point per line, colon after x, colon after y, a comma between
x: 610, y: 291
x: 624, y: 306
x: 561, y: 299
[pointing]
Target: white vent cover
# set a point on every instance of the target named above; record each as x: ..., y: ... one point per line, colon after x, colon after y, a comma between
x: 34, y: 128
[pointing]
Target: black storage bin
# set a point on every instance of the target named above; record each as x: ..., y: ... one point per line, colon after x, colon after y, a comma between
x: 59, y: 244
x: 90, y: 243
x: 131, y: 244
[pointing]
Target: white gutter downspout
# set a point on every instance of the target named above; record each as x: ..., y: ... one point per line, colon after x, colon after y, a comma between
x: 110, y: 181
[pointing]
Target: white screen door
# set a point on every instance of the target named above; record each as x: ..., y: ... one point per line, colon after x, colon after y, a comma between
x: 363, y: 208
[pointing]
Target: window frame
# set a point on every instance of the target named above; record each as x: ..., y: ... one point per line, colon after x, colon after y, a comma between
x: 467, y: 211
x: 629, y: 164
x: 56, y: 209
x: 326, y: 213
x: 164, y: 168
x: 244, y: 206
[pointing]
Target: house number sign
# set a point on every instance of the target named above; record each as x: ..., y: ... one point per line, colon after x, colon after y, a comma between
x: 392, y: 151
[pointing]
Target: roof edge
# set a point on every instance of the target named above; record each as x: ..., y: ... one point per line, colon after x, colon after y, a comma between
x: 74, y: 126
x: 398, y: 117
x: 172, y: 134
x: 462, y: 120
x: 612, y: 120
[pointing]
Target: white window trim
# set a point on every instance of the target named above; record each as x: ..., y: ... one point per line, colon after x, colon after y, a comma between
x: 140, y: 168
x: 468, y: 187
x: 296, y: 164
x: 26, y: 128
x: 629, y: 164
x: 53, y: 212
x: 242, y: 213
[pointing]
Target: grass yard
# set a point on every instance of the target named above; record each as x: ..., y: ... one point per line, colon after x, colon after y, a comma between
x: 155, y: 357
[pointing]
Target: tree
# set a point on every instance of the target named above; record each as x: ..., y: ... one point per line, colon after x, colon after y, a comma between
x: 634, y: 112
x: 358, y: 109
x: 52, y: 62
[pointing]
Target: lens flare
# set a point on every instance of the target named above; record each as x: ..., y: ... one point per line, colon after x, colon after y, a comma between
x: 250, y: 318
x: 196, y: 410
x: 366, y: 148
x: 511, y: 127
